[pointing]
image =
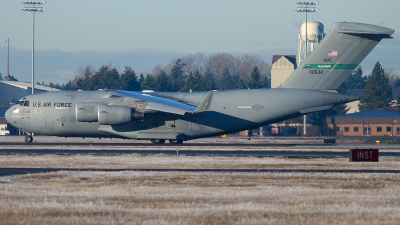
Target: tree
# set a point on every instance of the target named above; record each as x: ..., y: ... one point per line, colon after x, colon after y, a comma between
x: 129, y: 80
x: 177, y: 77
x: 255, y: 79
x: 52, y: 85
x: 396, y: 83
x: 141, y: 80
x: 237, y: 82
x: 105, y: 77
x: 194, y: 82
x: 68, y: 86
x: 393, y: 77
x: 219, y: 63
x: 377, y: 92
x: 82, y: 78
x: 209, y: 81
x: 162, y: 82
x: 149, y: 83
x: 356, y: 80
x: 225, y: 82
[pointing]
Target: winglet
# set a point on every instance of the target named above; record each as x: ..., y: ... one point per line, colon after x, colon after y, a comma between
x: 205, y: 104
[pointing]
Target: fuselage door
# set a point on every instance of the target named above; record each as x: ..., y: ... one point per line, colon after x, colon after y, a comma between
x: 49, y: 123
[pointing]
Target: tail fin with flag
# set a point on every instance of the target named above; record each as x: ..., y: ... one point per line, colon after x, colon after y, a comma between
x: 338, y: 54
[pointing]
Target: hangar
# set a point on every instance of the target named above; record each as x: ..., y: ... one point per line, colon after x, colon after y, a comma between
x: 12, y: 91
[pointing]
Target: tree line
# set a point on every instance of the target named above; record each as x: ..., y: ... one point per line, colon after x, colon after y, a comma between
x: 195, y: 72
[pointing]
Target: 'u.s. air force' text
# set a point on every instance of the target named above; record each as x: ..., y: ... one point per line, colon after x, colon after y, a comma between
x: 52, y: 104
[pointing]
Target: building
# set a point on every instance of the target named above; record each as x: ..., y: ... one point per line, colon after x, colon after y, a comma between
x: 281, y: 68
x: 12, y: 91
x: 381, y: 122
x: 3, y: 121
x: 353, y: 106
x: 294, y: 127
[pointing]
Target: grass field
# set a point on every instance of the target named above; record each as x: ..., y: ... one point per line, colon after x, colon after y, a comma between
x: 197, y: 198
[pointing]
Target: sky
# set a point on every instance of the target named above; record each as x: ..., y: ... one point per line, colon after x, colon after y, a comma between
x: 114, y: 30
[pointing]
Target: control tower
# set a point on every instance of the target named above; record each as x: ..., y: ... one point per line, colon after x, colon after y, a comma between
x: 309, y: 38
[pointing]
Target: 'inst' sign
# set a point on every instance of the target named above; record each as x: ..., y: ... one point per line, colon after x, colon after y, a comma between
x: 364, y: 155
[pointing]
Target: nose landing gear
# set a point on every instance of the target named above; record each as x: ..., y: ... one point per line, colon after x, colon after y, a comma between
x: 28, y: 138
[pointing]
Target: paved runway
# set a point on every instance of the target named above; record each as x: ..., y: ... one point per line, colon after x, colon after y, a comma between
x: 20, y: 171
x: 137, y: 144
x: 257, y: 153
x: 245, y: 149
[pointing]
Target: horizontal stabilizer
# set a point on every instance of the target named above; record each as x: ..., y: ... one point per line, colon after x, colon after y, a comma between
x: 315, y: 109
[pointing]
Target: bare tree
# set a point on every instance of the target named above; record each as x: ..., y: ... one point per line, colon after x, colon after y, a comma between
x: 157, y: 70
x: 84, y: 71
x: 219, y: 62
x: 392, y: 76
x: 195, y: 62
x: 245, y: 64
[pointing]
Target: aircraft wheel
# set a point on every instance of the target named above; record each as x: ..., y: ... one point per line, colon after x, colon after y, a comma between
x: 28, y: 138
x: 158, y: 141
x: 175, y: 141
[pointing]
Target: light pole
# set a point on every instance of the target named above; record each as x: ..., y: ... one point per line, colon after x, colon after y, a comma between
x: 8, y: 57
x: 306, y: 7
x: 32, y: 8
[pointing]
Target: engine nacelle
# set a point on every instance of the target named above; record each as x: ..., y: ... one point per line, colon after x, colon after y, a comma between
x: 106, y: 114
x: 87, y: 111
x: 113, y: 115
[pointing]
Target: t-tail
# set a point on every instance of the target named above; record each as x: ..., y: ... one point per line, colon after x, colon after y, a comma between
x: 338, y: 54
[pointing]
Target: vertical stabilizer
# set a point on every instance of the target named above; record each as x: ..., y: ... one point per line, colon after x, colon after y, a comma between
x: 338, y: 54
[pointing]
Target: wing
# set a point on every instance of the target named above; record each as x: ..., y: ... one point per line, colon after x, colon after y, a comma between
x: 166, y: 105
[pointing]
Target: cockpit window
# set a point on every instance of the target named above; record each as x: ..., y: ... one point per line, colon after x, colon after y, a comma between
x: 23, y: 103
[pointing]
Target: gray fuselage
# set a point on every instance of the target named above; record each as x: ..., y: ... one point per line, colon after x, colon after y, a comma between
x: 55, y: 113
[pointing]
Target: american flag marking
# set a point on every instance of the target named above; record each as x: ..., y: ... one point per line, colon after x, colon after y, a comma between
x: 332, y: 53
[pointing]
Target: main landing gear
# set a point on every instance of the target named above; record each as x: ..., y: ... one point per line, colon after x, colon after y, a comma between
x: 28, y: 138
x: 175, y: 141
x: 158, y: 141
x: 162, y: 141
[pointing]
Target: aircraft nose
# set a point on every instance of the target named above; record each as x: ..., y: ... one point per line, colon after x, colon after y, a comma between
x: 9, y: 115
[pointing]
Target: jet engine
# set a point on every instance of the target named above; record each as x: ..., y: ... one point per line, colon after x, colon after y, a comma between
x: 106, y: 114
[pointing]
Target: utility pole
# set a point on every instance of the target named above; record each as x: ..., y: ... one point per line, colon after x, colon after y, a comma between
x: 33, y: 9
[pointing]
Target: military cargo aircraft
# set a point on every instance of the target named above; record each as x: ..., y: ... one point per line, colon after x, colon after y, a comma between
x: 179, y: 117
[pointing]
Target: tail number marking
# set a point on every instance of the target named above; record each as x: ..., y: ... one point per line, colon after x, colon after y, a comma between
x: 316, y: 72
